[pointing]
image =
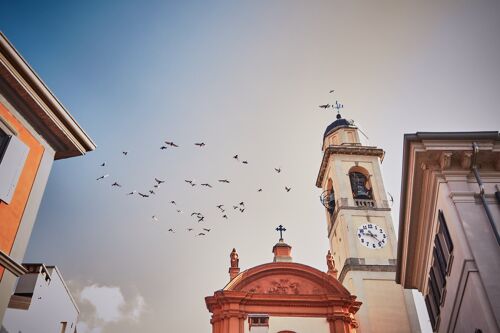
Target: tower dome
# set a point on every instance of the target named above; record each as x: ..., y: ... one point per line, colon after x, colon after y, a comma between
x: 338, y: 123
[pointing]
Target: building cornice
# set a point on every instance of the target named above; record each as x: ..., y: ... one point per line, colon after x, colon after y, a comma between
x: 345, y: 150
x: 46, y: 111
x: 358, y: 264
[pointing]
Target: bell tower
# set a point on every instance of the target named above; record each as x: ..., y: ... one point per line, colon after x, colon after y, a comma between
x: 360, y: 230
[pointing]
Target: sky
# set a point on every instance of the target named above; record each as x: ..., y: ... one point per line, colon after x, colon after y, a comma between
x: 245, y: 77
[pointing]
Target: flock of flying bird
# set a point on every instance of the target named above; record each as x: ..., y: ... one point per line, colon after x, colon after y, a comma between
x: 239, y: 207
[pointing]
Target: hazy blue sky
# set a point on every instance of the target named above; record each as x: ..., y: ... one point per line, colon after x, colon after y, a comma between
x: 245, y: 77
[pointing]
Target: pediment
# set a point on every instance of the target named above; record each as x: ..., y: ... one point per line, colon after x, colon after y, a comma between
x: 286, y: 279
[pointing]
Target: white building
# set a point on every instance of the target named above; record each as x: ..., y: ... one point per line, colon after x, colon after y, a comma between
x: 41, y: 303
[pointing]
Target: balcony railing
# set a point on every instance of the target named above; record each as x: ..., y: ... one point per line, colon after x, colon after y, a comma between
x: 365, y: 203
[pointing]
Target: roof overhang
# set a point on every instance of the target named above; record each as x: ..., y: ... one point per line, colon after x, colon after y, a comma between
x: 345, y: 150
x: 44, y: 111
x: 428, y: 158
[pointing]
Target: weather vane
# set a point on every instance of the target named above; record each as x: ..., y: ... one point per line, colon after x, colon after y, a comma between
x: 281, y: 229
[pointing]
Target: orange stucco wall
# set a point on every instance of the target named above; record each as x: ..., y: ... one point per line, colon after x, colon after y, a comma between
x: 11, y: 214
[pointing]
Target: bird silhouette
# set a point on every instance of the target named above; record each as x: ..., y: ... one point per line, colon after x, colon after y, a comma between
x: 242, y: 203
x: 331, y: 91
x: 235, y: 207
x: 207, y: 185
x: 259, y: 190
x: 200, y: 144
x: 116, y: 184
x: 171, y: 230
x: 102, y: 177
x: 103, y: 164
x: 154, y: 218
x: 143, y: 195
x: 163, y: 147
x: 133, y: 192
x: 235, y: 157
x: 278, y: 170
x: 207, y: 230
x: 152, y: 192
x: 159, y: 181
x: 156, y: 186
x: 221, y: 208
x: 179, y: 211
x: 224, y: 181
x: 288, y: 189
x: 245, y: 162
x: 171, y: 144
x: 125, y: 153
x: 201, y: 218
x: 201, y: 234
x: 189, y: 229
x: 224, y: 216
x: 197, y: 214
x: 325, y: 106
x: 242, y: 210
x: 173, y: 202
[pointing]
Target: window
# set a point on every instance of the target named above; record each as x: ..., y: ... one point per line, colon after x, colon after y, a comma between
x: 442, y: 258
x: 13, y: 154
x: 258, y: 321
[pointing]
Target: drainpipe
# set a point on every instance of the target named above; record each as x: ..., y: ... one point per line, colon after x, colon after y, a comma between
x: 475, y: 150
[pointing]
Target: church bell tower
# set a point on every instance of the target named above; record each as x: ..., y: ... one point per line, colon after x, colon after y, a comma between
x: 360, y: 230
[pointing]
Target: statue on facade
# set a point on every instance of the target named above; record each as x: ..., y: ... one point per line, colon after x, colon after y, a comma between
x: 234, y: 259
x: 331, y: 264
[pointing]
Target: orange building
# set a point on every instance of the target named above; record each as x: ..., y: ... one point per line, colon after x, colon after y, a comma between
x: 282, y: 297
x: 35, y: 130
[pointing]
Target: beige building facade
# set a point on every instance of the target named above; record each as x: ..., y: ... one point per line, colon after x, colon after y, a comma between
x: 360, y: 230
x: 448, y: 229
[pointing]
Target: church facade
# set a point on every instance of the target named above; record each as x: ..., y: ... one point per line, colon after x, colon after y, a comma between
x: 360, y: 230
x: 282, y: 297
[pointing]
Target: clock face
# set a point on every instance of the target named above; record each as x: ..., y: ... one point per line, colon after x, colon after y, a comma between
x: 372, y: 236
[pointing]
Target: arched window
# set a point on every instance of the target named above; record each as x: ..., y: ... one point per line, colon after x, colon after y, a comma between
x: 360, y: 183
x: 330, y: 196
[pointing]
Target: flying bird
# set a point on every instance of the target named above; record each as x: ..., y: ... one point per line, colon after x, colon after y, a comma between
x: 102, y: 177
x: 242, y: 203
x: 143, y: 195
x: 245, y: 162
x: 173, y: 202
x: 200, y: 144
x: 278, y: 170
x: 201, y: 218
x: 331, y: 91
x: 207, y: 185
x: 259, y: 190
x: 154, y: 218
x: 197, y: 214
x: 156, y: 186
x: 125, y: 153
x: 133, y: 192
x: 201, y: 234
x: 103, y: 164
x: 163, y: 147
x: 235, y: 207
x: 224, y: 181
x: 235, y: 157
x: 152, y: 192
x: 171, y: 230
x: 179, y: 211
x: 189, y: 229
x: 116, y: 184
x: 224, y: 216
x: 220, y: 207
x: 207, y: 230
x: 325, y: 106
x: 242, y: 210
x: 159, y: 181
x: 171, y: 144
x: 288, y: 189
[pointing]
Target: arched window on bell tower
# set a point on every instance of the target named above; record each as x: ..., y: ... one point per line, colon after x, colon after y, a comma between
x: 361, y: 187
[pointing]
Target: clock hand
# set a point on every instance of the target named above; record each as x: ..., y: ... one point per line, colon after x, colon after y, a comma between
x: 373, y: 236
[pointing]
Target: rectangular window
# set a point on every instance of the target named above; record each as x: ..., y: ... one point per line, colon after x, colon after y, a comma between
x: 13, y: 154
x: 442, y: 258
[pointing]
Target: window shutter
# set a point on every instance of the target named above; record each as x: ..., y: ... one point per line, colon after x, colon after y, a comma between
x: 11, y: 164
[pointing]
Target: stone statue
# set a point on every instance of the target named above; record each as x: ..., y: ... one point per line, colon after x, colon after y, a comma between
x: 330, y: 262
x: 234, y: 259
